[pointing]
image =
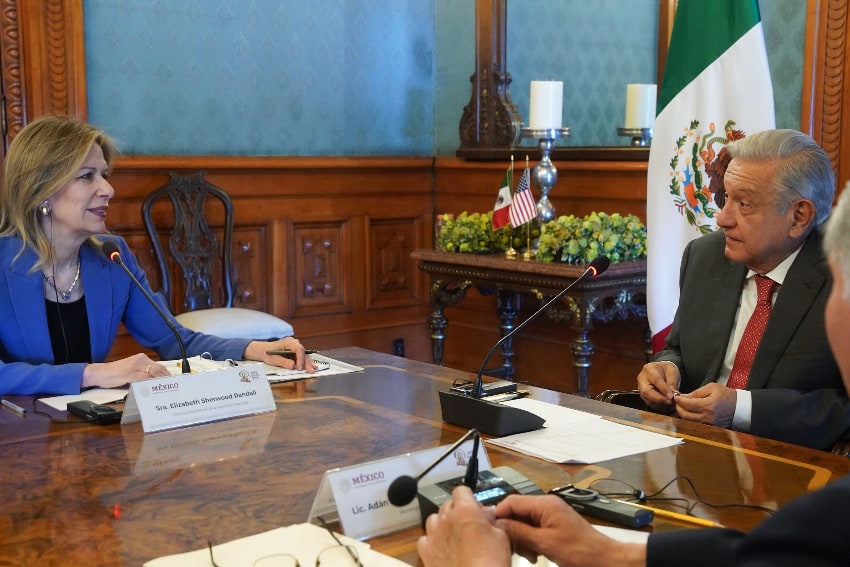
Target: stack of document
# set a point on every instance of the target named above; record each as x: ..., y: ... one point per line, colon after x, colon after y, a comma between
x: 572, y: 436
x: 326, y: 366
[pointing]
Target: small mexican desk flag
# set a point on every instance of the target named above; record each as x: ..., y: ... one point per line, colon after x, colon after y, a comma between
x: 501, y: 210
x: 716, y: 88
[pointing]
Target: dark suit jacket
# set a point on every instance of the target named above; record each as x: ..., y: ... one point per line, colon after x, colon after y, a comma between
x: 812, y: 530
x: 797, y: 393
x: 26, y: 353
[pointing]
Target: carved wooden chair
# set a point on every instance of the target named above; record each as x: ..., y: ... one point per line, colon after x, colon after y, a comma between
x: 205, y: 263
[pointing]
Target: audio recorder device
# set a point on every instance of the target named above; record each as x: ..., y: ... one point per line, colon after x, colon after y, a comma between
x: 492, y: 487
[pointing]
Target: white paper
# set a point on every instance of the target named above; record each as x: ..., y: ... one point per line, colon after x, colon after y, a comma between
x: 304, y: 541
x: 623, y: 535
x: 326, y: 365
x: 95, y: 395
x: 571, y: 436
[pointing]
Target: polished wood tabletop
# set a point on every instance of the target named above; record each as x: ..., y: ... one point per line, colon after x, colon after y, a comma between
x: 77, y: 493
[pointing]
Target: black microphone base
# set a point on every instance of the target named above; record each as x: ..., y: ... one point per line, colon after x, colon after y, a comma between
x: 493, y: 487
x: 487, y: 417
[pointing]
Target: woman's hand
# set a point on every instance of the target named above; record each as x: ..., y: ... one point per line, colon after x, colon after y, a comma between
x: 119, y: 373
x: 258, y: 350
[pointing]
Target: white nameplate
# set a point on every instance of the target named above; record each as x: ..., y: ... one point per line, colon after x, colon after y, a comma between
x: 357, y: 495
x: 188, y: 399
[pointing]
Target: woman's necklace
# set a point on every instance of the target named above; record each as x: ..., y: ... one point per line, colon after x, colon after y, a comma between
x: 65, y: 295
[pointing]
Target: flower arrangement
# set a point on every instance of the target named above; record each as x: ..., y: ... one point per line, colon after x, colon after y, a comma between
x: 567, y: 239
x: 472, y: 233
x: 580, y: 240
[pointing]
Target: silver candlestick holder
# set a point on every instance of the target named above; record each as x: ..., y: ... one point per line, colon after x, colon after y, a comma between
x: 544, y: 174
x: 641, y: 137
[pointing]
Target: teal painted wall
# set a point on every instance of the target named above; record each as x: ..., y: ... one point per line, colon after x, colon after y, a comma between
x: 368, y: 77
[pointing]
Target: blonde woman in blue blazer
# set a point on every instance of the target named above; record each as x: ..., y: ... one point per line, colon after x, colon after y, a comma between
x: 61, y: 299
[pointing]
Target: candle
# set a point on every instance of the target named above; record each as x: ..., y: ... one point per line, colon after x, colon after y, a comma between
x: 640, y: 106
x: 547, y: 100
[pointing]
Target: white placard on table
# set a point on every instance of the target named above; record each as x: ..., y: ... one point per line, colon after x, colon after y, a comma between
x: 201, y: 397
x: 357, y: 495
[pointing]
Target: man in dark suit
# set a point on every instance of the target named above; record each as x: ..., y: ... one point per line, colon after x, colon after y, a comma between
x: 812, y: 530
x: 779, y: 190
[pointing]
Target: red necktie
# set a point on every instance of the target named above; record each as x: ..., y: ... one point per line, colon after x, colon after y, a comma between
x: 752, y: 333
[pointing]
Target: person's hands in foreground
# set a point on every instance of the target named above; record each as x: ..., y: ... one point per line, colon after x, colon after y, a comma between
x: 548, y: 526
x: 462, y: 534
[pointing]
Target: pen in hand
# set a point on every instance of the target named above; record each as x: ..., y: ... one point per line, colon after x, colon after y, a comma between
x: 289, y: 353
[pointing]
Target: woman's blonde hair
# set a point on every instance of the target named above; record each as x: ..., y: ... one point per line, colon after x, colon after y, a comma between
x: 44, y: 156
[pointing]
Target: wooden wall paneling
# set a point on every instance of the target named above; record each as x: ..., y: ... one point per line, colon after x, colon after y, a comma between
x: 825, y: 66
x: 321, y: 283
x: 249, y: 267
x: 582, y: 187
x: 43, y: 60
x: 338, y: 210
x: 394, y: 279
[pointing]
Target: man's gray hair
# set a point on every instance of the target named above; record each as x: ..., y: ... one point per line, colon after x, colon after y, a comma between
x: 805, y: 171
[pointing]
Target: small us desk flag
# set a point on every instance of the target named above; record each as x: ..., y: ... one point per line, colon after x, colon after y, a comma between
x: 501, y: 210
x: 716, y: 89
x: 523, y: 208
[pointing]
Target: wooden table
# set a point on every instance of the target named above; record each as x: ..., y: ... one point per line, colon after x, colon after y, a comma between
x: 81, y: 494
x: 617, y: 293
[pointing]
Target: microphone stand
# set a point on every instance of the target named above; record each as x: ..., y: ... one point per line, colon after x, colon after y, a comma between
x: 113, y: 254
x: 474, y: 411
x: 403, y: 490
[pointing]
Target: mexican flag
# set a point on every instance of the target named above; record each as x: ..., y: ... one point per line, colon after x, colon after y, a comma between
x: 502, y: 208
x: 716, y: 89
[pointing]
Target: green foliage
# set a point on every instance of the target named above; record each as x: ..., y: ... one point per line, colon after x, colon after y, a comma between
x: 472, y: 233
x: 566, y: 239
x: 580, y: 240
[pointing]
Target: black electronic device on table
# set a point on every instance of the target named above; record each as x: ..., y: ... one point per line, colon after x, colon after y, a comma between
x: 590, y: 503
x: 90, y: 411
x: 493, y: 486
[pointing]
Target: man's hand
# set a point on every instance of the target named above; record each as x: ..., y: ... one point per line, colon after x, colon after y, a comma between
x: 548, y: 526
x: 463, y: 534
x: 658, y: 383
x: 712, y: 404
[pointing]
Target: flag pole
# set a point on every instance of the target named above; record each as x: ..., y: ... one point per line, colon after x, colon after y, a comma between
x: 529, y: 253
x: 510, y: 253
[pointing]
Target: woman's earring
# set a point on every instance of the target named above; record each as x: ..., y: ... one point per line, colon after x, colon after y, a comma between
x: 44, y: 209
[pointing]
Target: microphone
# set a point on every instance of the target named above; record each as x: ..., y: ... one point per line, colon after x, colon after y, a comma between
x: 470, y: 409
x: 110, y: 250
x: 403, y: 490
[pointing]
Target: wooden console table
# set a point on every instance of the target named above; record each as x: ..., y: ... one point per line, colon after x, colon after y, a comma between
x: 617, y: 293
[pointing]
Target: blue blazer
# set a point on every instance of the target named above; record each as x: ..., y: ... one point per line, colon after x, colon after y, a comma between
x: 26, y: 353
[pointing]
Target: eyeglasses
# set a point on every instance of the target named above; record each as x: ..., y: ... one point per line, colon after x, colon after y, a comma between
x: 332, y: 555
x: 339, y: 554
